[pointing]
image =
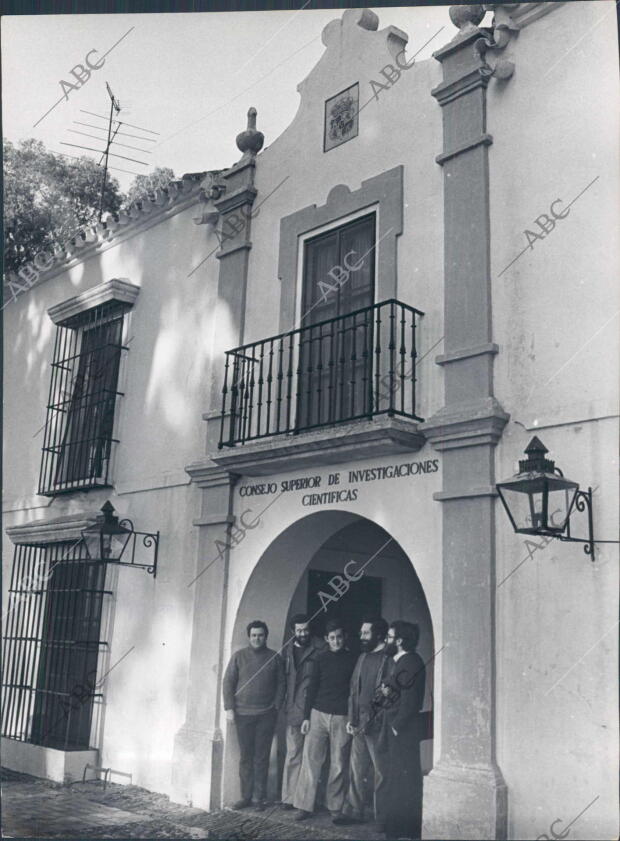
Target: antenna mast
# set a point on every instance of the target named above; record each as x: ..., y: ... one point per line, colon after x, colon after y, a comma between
x: 114, y: 106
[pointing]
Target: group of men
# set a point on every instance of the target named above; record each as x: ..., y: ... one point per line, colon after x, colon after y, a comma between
x: 364, y: 710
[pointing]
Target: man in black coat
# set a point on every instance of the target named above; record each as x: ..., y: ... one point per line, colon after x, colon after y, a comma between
x: 404, y: 691
x: 369, y: 745
x: 299, y: 656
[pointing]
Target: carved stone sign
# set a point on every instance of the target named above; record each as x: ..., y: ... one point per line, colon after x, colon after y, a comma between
x: 350, y: 477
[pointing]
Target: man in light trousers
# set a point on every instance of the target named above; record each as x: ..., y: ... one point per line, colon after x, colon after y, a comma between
x: 325, y: 720
x: 299, y: 655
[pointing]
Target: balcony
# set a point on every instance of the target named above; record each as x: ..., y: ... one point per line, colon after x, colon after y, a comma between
x: 337, y: 374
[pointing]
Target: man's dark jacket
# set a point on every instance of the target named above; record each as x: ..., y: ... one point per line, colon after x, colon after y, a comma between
x: 406, y: 677
x: 404, y: 796
x: 370, y: 718
x: 298, y: 678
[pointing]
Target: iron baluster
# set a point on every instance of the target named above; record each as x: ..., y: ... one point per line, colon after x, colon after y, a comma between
x: 414, y: 355
x: 309, y: 348
x: 353, y: 364
x: 224, y: 396
x: 342, y: 351
x: 289, y: 383
x: 269, y: 387
x: 319, y: 376
x: 250, y: 364
x: 378, y: 361
x: 280, y: 377
x: 392, y: 347
x: 234, y: 399
x: 402, y: 352
x: 331, y: 409
x: 260, y: 389
x: 366, y: 403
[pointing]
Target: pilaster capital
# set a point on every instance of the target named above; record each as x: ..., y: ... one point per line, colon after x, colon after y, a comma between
x: 206, y: 474
x: 466, y: 425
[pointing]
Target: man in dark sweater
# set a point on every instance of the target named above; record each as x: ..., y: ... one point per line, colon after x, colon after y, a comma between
x: 325, y: 720
x: 253, y: 693
x: 369, y: 745
x: 404, y: 690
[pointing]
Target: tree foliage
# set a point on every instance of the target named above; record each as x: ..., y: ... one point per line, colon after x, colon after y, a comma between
x: 144, y: 186
x: 47, y: 198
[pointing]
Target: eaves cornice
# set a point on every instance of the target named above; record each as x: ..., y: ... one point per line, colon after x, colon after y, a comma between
x: 116, y: 228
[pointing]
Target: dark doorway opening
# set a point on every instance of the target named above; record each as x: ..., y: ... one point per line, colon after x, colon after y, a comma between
x: 364, y: 598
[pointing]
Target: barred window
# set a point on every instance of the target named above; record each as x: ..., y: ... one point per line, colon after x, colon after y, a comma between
x: 51, y: 645
x: 80, y: 414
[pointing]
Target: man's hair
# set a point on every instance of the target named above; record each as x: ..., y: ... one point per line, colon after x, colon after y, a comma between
x: 258, y: 623
x: 298, y: 619
x: 408, y: 632
x: 334, y: 625
x: 378, y: 625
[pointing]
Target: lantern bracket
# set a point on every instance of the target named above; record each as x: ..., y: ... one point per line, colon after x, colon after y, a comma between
x: 150, y: 540
x: 582, y: 501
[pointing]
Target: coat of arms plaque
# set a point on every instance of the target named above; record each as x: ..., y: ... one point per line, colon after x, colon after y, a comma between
x: 341, y: 117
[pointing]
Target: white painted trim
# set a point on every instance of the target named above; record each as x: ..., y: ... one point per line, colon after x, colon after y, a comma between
x: 116, y: 289
x: 54, y: 530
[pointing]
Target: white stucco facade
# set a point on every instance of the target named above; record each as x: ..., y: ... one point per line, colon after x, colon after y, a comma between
x: 544, y: 654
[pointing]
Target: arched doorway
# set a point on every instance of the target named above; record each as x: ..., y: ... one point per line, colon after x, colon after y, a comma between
x: 287, y: 579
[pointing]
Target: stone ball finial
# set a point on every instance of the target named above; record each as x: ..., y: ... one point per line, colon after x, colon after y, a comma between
x: 467, y: 13
x: 250, y: 141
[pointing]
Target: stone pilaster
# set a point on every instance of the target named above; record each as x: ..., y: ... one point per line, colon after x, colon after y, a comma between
x: 465, y: 795
x: 235, y: 207
x: 198, y: 745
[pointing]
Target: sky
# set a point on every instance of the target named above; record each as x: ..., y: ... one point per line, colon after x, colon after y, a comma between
x: 188, y: 79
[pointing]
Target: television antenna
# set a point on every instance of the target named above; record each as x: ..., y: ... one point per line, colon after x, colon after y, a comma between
x: 113, y: 128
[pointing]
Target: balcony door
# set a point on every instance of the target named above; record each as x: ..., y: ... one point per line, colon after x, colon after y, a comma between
x: 334, y: 381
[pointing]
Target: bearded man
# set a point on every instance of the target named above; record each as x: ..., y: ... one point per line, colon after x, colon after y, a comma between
x: 299, y: 656
x: 366, y: 725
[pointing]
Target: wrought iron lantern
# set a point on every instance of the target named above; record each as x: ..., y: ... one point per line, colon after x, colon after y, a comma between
x: 540, y: 500
x: 107, y: 539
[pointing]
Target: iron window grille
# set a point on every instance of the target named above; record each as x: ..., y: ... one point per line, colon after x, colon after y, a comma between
x: 78, y: 440
x: 51, y: 645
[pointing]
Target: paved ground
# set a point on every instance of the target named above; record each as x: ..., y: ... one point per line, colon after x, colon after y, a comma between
x: 34, y: 808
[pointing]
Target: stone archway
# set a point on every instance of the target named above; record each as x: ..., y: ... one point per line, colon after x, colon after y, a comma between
x: 278, y: 587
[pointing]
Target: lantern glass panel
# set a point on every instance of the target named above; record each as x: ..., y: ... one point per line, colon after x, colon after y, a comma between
x: 559, y: 507
x: 103, y: 545
x: 524, y: 508
x: 92, y: 539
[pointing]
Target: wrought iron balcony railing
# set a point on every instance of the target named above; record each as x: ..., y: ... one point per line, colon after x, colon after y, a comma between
x: 346, y: 368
